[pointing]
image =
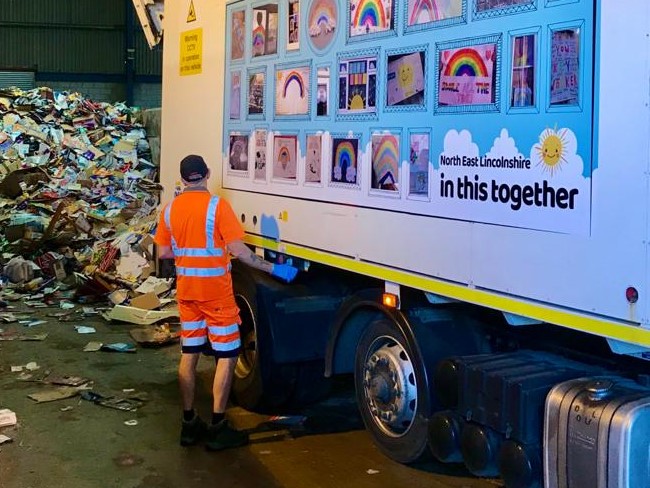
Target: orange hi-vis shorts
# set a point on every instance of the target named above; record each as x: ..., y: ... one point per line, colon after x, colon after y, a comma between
x: 203, y: 329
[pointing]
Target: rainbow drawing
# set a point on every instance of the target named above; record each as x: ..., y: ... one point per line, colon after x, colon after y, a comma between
x: 370, y: 13
x: 258, y: 37
x: 283, y: 155
x: 294, y: 76
x: 425, y: 11
x: 323, y: 21
x: 385, y: 157
x: 466, y: 62
x: 323, y: 16
x: 345, y: 156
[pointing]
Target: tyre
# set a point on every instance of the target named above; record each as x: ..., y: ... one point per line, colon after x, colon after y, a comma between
x: 390, y: 382
x: 259, y: 383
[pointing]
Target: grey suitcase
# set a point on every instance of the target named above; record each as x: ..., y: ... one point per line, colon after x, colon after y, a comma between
x: 597, y: 434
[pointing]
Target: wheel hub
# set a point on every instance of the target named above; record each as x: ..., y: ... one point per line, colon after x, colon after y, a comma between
x: 390, y: 387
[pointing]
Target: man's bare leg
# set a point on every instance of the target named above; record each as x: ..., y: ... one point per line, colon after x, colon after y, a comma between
x: 222, y: 382
x: 187, y: 379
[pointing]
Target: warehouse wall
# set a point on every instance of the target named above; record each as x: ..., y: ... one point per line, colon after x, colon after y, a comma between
x: 79, y: 45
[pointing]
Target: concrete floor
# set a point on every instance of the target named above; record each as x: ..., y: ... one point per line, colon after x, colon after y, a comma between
x: 88, y: 445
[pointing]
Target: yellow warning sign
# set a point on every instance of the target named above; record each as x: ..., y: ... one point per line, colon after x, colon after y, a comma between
x: 191, y: 16
x: 191, y: 52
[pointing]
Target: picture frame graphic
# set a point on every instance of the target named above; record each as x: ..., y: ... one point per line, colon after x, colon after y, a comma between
x: 293, y: 25
x: 264, y: 30
x: 370, y: 19
x: 565, y: 66
x: 323, y: 89
x: 419, y: 158
x: 427, y: 14
x: 285, y: 157
x: 406, y: 79
x: 260, y: 155
x: 237, y: 35
x: 485, y: 9
x: 322, y: 24
x: 235, y: 95
x: 314, y: 158
x: 292, y: 91
x: 385, y: 161
x: 256, y: 89
x: 468, y: 75
x: 357, y: 85
x: 238, y: 153
x: 523, y: 74
x: 345, y: 161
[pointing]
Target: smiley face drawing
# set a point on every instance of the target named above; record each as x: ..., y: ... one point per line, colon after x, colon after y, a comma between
x: 551, y: 149
x: 405, y: 77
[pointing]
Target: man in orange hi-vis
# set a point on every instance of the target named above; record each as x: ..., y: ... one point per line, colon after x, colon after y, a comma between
x: 199, y: 230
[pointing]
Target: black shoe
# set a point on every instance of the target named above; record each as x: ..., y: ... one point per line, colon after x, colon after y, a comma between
x: 193, y: 431
x: 222, y: 436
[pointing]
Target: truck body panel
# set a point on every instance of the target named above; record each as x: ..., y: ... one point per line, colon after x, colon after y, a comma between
x: 581, y: 260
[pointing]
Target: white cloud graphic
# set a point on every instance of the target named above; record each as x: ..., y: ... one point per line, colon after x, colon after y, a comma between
x: 459, y: 144
x: 504, y: 146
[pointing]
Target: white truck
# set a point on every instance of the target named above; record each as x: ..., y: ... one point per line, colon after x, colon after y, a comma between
x: 464, y: 184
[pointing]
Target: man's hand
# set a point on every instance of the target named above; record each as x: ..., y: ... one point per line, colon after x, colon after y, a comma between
x: 285, y: 272
x: 242, y: 252
x: 165, y: 252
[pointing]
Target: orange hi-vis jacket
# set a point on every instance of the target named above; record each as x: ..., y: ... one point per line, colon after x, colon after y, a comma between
x: 198, y: 226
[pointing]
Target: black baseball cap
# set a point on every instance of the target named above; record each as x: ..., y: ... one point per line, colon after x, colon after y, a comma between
x: 193, y: 168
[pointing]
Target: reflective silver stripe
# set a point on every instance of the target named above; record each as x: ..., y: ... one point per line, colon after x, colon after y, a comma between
x: 197, y: 252
x: 194, y: 341
x: 196, y: 325
x: 222, y: 331
x: 168, y: 210
x: 200, y: 272
x: 168, y: 222
x: 210, y: 219
x: 228, y: 346
x: 210, y: 251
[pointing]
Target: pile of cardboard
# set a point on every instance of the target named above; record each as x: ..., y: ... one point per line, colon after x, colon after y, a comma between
x: 78, y: 192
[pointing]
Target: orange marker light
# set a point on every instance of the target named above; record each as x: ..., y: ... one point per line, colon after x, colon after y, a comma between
x: 390, y: 300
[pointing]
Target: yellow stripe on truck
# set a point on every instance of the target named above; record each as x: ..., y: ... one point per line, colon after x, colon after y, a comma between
x: 612, y: 329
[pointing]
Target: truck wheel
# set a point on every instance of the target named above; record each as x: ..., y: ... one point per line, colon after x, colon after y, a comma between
x: 259, y: 384
x: 390, y: 386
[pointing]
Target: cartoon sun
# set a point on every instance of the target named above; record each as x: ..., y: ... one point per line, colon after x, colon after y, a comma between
x: 551, y: 149
x: 356, y: 102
